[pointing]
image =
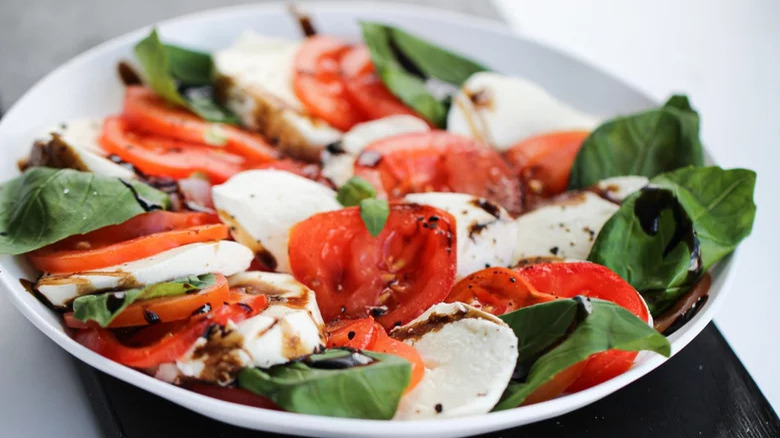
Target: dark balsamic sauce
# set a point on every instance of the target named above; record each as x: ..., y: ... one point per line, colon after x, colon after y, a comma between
x: 146, y: 204
x: 354, y: 359
x: 114, y: 301
x: 491, y: 208
x: 127, y: 74
x: 151, y: 317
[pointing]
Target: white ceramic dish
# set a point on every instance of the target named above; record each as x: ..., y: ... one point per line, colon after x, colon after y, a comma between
x: 88, y: 86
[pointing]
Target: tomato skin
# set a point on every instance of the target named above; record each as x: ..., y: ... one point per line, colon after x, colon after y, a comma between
x: 497, y: 291
x: 365, y: 89
x: 353, y: 333
x: 318, y: 83
x: 159, y: 156
x: 387, y: 345
x: 438, y: 161
x: 147, y: 112
x: 75, y: 260
x: 557, y: 385
x: 591, y: 280
x: 543, y: 163
x: 407, y: 268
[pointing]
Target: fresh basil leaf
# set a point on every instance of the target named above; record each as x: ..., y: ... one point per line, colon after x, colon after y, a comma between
x: 720, y: 204
x: 103, y: 308
x: 374, y: 213
x: 434, y: 61
x: 664, y: 237
x: 539, y: 326
x: 154, y: 59
x: 607, y: 326
x: 354, y: 191
x: 190, y: 67
x: 325, y: 384
x: 646, y: 143
x: 404, y: 83
x: 178, y: 75
x: 45, y: 205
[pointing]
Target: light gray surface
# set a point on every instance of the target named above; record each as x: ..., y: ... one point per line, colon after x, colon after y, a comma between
x: 40, y: 392
x: 37, y: 36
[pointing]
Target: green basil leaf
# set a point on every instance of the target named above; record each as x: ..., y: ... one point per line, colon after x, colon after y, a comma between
x: 354, y: 191
x: 405, y: 84
x: 434, y: 61
x: 720, y: 203
x: 700, y: 214
x: 190, y: 67
x: 374, y: 213
x: 45, y: 205
x: 646, y: 143
x: 154, y: 59
x: 539, y: 326
x: 321, y: 385
x: 103, y: 308
x: 607, y: 326
x: 168, y: 67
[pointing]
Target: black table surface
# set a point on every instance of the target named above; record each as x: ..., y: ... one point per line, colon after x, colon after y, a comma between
x: 704, y: 391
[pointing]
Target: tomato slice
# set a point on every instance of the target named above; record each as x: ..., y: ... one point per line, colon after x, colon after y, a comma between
x: 161, y: 156
x: 147, y: 112
x: 566, y: 280
x: 318, y: 83
x: 438, y: 161
x: 544, y: 162
x: 364, y: 88
x: 386, y: 344
x: 232, y: 395
x: 395, y: 276
x: 97, y: 257
x: 353, y: 333
x: 173, y: 344
x: 497, y: 291
x: 144, y: 224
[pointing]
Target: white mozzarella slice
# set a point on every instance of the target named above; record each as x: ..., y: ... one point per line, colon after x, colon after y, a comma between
x: 75, y: 144
x: 502, y: 110
x: 339, y: 166
x: 262, y: 205
x: 469, y: 360
x: 223, y: 257
x: 618, y: 188
x: 254, y: 77
x: 486, y: 233
x: 565, y: 228
x: 289, y: 328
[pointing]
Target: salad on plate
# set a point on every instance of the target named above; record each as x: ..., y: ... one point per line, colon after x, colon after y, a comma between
x: 380, y: 229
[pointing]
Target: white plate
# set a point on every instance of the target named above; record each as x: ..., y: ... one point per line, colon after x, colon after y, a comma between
x: 88, y: 86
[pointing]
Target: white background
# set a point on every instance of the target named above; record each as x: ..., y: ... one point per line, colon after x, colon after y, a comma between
x: 723, y: 54
x: 726, y: 56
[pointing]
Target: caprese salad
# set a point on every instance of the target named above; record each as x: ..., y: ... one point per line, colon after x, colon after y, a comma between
x: 383, y: 229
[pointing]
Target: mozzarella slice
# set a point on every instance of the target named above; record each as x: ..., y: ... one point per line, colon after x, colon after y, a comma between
x: 75, y: 145
x: 254, y: 80
x: 565, y: 228
x: 262, y: 205
x: 469, y: 357
x: 502, y: 110
x: 223, y: 257
x: 339, y: 165
x: 289, y: 328
x: 486, y: 233
x: 617, y: 188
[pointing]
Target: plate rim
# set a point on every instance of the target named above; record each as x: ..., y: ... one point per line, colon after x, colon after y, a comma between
x: 294, y: 423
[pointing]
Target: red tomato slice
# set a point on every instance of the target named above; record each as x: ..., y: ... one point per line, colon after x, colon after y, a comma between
x: 395, y: 276
x: 144, y: 224
x: 171, y: 346
x: 386, y: 344
x: 566, y: 280
x: 147, y: 112
x: 438, y: 161
x: 232, y: 395
x: 544, y: 162
x: 352, y: 333
x: 97, y: 257
x: 497, y: 291
x: 364, y: 88
x: 318, y: 83
x: 160, y: 156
